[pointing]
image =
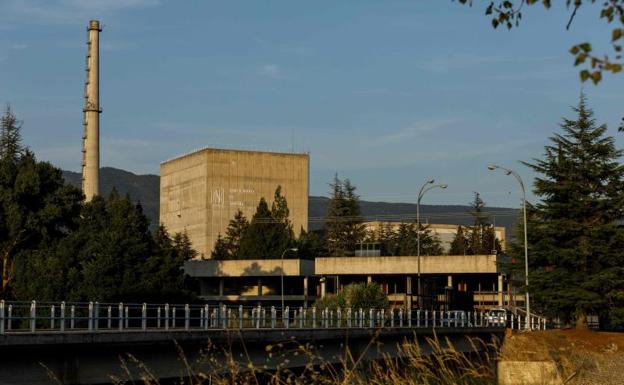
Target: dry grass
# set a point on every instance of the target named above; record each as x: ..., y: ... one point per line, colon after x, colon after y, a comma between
x: 441, y: 365
x: 581, y: 356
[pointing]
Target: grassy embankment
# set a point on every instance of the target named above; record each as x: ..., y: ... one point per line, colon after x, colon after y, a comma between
x: 581, y: 357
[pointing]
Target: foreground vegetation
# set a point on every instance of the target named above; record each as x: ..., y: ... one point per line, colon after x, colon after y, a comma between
x: 55, y: 246
x: 443, y: 365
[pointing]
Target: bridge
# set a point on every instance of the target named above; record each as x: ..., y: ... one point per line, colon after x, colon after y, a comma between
x: 81, y: 343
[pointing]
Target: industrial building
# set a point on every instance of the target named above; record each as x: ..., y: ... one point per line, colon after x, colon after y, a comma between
x: 201, y: 191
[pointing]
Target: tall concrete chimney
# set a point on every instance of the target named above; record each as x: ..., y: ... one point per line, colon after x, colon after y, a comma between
x: 91, y: 137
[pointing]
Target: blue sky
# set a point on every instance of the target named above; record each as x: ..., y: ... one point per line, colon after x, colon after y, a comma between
x: 387, y: 93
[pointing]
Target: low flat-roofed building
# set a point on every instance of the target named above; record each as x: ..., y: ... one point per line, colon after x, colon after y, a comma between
x: 254, y: 280
x: 446, y: 280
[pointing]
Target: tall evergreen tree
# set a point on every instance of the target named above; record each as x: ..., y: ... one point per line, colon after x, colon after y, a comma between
x: 228, y: 247
x: 270, y: 231
x: 459, y: 245
x: 162, y: 279
x: 220, y: 250
x: 481, y: 236
x: 37, y: 208
x: 10, y: 135
x: 310, y: 245
x: 343, y: 223
x: 429, y: 242
x: 576, y: 246
x: 112, y: 243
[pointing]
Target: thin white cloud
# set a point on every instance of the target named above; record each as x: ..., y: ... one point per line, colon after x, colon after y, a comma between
x: 272, y: 71
x: 409, y: 132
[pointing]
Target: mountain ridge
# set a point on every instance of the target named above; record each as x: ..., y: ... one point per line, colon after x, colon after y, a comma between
x: 146, y: 190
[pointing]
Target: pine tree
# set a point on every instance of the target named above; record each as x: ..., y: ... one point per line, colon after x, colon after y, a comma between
x: 343, y: 222
x: 387, y: 237
x: 282, y: 227
x: 220, y: 250
x: 459, y: 245
x: 310, y: 245
x: 234, y: 233
x: 429, y: 243
x: 481, y: 236
x: 270, y: 231
x: 476, y: 232
x: 162, y: 280
x: 406, y: 243
x: 37, y: 210
x: 10, y: 136
x: 576, y: 247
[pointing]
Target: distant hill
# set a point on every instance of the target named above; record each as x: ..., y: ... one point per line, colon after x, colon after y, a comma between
x: 143, y: 188
x: 392, y: 212
x: 146, y: 188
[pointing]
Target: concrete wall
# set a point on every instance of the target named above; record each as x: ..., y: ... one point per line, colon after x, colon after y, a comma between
x: 436, y: 264
x: 249, y: 268
x: 200, y: 192
x: 406, y: 265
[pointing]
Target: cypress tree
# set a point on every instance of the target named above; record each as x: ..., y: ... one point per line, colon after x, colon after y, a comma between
x: 576, y: 246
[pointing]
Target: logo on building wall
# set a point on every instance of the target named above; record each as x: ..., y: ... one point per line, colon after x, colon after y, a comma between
x: 218, y: 197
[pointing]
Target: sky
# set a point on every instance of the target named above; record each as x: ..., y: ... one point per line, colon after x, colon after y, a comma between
x: 385, y: 93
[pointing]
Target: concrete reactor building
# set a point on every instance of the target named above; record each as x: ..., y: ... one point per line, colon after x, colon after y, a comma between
x: 201, y: 191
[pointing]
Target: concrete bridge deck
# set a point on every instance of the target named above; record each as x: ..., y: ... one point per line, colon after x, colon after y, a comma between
x: 85, y: 343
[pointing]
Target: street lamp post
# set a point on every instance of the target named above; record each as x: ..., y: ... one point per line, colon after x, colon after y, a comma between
x: 507, y: 171
x: 425, y: 187
x: 282, y: 273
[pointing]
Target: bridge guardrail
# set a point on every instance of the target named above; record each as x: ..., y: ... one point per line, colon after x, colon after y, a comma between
x: 66, y: 317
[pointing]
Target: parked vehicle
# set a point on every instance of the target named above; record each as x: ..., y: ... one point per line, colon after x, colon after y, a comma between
x: 496, y: 317
x: 455, y: 318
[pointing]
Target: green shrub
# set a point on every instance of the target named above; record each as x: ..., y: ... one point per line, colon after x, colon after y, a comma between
x: 355, y: 296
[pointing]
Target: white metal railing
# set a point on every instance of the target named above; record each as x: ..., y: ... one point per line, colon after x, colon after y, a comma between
x: 68, y: 317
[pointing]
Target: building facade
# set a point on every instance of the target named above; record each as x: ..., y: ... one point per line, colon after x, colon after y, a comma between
x: 447, y: 281
x: 201, y: 191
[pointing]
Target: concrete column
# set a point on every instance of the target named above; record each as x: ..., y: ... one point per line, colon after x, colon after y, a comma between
x: 369, y: 279
x: 500, y: 290
x: 408, y: 291
x: 221, y: 286
x: 91, y: 137
x: 449, y: 281
x: 305, y: 290
x: 323, y: 287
